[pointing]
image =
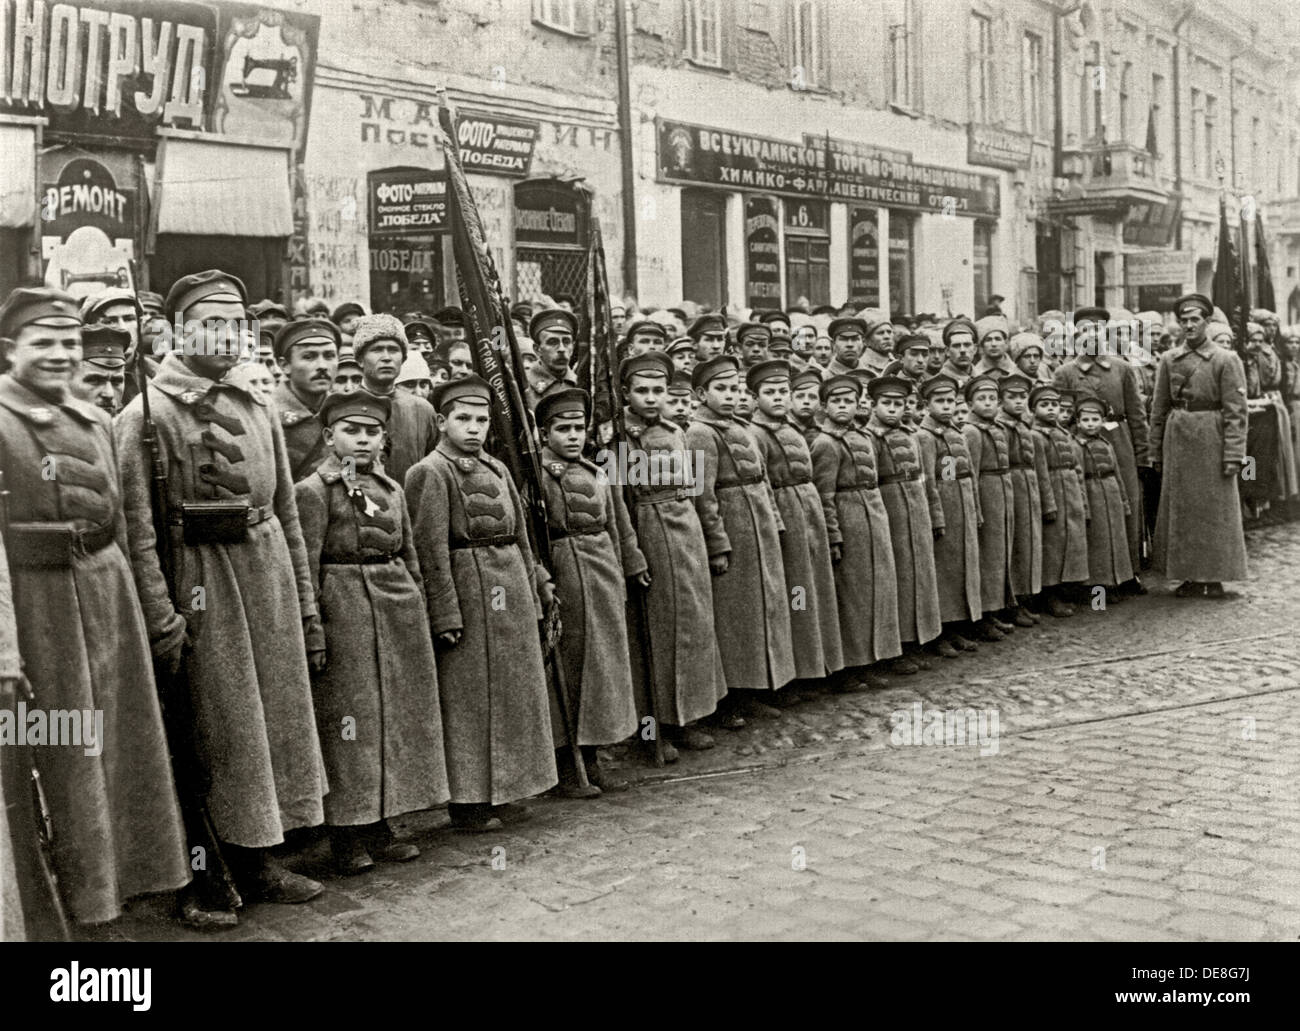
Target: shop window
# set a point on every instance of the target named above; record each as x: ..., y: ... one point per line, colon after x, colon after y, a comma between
x: 807, y: 254
x: 551, y: 233
x: 407, y: 224
x: 14, y: 244
x: 704, y: 253
x: 258, y: 261
x: 576, y: 17
x: 901, y: 264
x: 982, y: 263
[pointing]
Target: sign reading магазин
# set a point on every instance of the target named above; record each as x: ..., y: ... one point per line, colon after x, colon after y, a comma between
x: 819, y: 167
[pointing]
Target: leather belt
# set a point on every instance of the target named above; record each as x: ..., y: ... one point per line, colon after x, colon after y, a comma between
x: 856, y: 487
x: 995, y: 472
x: 961, y: 476
x: 1196, y: 406
x: 364, y: 560
x: 782, y: 484
x: 501, y: 540
x: 559, y: 535
x: 254, y: 515
x: 1109, y: 474
x: 654, y: 497
x: 743, y: 481
x: 45, y: 545
x: 897, y: 478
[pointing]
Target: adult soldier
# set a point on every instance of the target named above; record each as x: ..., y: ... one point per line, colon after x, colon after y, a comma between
x: 380, y: 345
x: 552, y: 331
x: 779, y: 326
x: 993, y: 335
x: 709, y: 331
x: 421, y: 334
x: 238, y: 598
x: 100, y: 379
x: 452, y: 324
x: 913, y: 354
x: 117, y: 829
x: 308, y: 352
x: 116, y: 307
x: 959, y: 339
x: 1198, y: 443
x: 879, y: 333
x: 270, y: 316
x: 1092, y: 372
x: 848, y: 337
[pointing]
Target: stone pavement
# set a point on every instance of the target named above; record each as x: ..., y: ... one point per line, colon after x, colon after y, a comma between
x: 1143, y: 783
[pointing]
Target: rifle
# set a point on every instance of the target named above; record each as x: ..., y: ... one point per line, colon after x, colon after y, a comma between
x: 30, y: 826
x: 481, y: 297
x: 600, y: 378
x: 214, y: 881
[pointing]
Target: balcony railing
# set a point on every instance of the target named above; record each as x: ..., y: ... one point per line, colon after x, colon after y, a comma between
x: 1114, y: 168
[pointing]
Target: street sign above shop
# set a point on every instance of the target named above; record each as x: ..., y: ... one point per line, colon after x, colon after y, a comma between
x: 408, y: 202
x: 998, y: 148
x: 819, y: 167
x: 496, y: 145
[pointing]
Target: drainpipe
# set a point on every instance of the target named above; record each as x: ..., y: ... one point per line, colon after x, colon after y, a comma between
x: 630, y: 284
x: 1178, y: 117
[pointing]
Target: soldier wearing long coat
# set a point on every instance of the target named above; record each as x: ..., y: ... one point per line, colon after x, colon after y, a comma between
x: 1065, y: 539
x: 946, y: 462
x: 688, y: 676
x: 1198, y: 435
x: 857, y: 526
x: 480, y: 579
x: 81, y: 635
x: 13, y: 927
x: 1032, y: 490
x: 1108, y: 503
x: 1118, y: 383
x: 740, y: 519
x: 986, y: 439
x: 593, y: 552
x: 377, y: 707
x: 901, y: 479
x: 805, y: 549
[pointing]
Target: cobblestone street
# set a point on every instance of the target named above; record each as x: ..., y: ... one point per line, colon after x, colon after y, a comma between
x: 1143, y: 784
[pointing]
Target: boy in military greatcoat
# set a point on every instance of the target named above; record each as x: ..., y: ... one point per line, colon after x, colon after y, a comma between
x: 986, y: 440
x: 1034, y: 500
x: 903, y: 488
x: 742, y: 530
x: 484, y: 605
x: 688, y: 681
x: 805, y: 549
x: 857, y: 527
x: 954, y: 512
x: 1108, y: 553
x: 1065, y: 538
x: 593, y: 552
x: 805, y: 404
x: 376, y: 698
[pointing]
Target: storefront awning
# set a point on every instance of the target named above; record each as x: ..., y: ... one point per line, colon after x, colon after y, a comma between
x: 17, y: 175
x: 215, y: 187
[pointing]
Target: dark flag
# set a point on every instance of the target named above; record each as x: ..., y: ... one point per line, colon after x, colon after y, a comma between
x: 495, y: 353
x: 599, y: 366
x: 1263, y: 274
x: 1226, y: 290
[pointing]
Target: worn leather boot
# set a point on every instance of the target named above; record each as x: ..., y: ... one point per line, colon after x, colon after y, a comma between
x: 385, y: 848
x: 598, y: 775
x: 349, y: 851
x: 266, y: 879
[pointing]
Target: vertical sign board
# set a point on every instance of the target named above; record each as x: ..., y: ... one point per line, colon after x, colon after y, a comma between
x: 762, y: 252
x: 864, y: 257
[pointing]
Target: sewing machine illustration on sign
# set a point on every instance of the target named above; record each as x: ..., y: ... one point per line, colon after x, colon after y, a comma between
x: 285, y: 70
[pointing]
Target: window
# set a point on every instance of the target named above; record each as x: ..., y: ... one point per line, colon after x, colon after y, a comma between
x: 981, y: 68
x: 1198, y: 132
x: 807, y: 253
x: 1031, y: 101
x: 899, y: 14
x: 1091, y: 110
x: 1156, y: 124
x: 704, y: 250
x: 704, y: 32
x: 982, y: 262
x: 808, y: 43
x: 576, y: 17
x: 1125, y: 112
x: 1211, y: 137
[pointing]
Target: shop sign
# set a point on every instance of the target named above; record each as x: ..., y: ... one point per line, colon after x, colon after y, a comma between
x: 762, y: 252
x: 864, y: 256
x: 496, y: 145
x: 408, y: 202
x: 87, y: 229
x: 998, y: 148
x: 550, y: 214
x: 817, y: 167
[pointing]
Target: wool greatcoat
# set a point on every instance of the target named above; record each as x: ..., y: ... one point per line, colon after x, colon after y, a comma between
x: 12, y: 924
x: 117, y: 828
x: 866, y: 587
x: 954, y: 508
x: 805, y: 550
x: 904, y: 491
x: 1032, y: 489
x: 1118, y: 383
x: 302, y: 431
x: 593, y: 551
x: 1198, y: 422
x: 244, y: 602
x: 480, y: 578
x: 987, y: 442
x: 1065, y: 540
x: 1108, y: 503
x: 376, y: 700
x: 739, y: 516
x: 688, y: 677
